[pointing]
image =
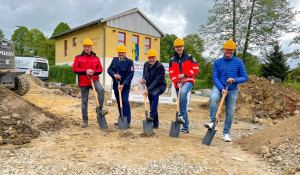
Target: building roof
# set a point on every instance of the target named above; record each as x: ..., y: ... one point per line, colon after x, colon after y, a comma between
x: 101, y: 20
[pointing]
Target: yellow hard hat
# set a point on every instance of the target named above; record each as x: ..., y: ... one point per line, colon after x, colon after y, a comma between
x: 87, y: 42
x: 229, y: 45
x: 121, y: 48
x: 178, y: 42
x: 151, y: 53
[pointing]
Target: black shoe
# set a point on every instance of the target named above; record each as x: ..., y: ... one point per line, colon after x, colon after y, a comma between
x: 104, y: 112
x: 184, y: 131
x: 116, y: 124
x: 84, y: 124
x: 128, y: 125
x: 150, y: 119
x: 155, y: 127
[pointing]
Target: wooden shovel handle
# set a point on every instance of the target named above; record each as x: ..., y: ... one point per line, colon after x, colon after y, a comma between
x: 93, y: 86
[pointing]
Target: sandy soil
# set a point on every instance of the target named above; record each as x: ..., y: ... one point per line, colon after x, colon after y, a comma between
x: 72, y: 144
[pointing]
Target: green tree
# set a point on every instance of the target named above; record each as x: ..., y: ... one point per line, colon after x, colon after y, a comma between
x: 1, y: 34
x: 276, y: 64
x: 254, y: 24
x: 194, y: 45
x: 24, y: 41
x: 36, y: 37
x: 47, y: 49
x: 61, y: 27
x: 253, y: 65
x: 167, y: 48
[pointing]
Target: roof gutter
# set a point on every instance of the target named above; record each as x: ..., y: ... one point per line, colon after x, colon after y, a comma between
x: 104, y: 68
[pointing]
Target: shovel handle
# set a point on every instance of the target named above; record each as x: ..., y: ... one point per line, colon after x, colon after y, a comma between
x: 120, y: 95
x: 145, y: 98
x: 95, y: 93
x: 221, y: 104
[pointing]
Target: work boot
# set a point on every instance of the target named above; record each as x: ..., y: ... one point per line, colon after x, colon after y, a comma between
x: 84, y: 124
x: 103, y: 112
x: 150, y: 118
x: 181, y: 120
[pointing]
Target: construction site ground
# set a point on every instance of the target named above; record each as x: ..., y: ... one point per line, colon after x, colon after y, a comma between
x: 41, y: 134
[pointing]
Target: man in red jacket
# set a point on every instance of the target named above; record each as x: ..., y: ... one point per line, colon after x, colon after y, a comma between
x: 88, y: 64
x: 183, y: 68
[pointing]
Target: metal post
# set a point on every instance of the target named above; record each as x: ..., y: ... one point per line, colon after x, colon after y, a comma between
x: 104, y: 74
x: 19, y: 40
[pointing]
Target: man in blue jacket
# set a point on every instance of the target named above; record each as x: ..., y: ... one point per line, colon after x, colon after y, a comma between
x: 231, y: 70
x: 121, y: 68
x: 154, y: 78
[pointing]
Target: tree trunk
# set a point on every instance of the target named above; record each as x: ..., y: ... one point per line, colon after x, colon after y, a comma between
x: 248, y: 32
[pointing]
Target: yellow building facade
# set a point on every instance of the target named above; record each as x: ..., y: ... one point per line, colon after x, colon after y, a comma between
x: 131, y: 28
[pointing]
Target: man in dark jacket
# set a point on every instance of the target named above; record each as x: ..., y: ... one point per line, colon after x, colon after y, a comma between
x: 154, y: 77
x: 88, y: 64
x: 121, y: 69
x: 227, y: 69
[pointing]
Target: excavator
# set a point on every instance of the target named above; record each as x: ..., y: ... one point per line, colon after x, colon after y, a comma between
x: 15, y: 81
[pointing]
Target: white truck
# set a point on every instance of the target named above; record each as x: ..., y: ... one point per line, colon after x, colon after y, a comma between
x: 36, y: 66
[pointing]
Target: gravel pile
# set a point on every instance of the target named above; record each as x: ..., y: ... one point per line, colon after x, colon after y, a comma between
x: 285, y: 158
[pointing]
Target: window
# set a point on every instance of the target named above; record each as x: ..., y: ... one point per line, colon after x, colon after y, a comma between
x: 74, y: 42
x: 147, y: 44
x: 66, y: 47
x: 135, y: 39
x: 121, y: 38
x: 39, y: 65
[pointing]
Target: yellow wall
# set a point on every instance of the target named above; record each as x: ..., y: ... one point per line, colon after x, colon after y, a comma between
x: 112, y: 43
x: 95, y: 33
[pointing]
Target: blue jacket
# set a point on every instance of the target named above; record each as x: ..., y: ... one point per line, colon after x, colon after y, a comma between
x: 125, y: 69
x: 154, y: 76
x: 224, y: 68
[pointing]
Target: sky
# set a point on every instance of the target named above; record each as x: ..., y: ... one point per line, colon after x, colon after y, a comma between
x: 179, y: 17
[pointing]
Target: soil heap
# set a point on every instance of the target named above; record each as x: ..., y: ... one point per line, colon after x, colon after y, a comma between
x: 21, y: 121
x: 260, y: 98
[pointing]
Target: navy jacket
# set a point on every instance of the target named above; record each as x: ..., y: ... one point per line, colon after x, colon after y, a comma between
x: 224, y: 68
x: 154, y: 76
x: 124, y: 68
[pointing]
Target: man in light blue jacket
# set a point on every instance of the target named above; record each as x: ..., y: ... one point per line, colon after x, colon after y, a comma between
x: 227, y: 69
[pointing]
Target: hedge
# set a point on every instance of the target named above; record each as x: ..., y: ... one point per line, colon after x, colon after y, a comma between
x: 62, y: 74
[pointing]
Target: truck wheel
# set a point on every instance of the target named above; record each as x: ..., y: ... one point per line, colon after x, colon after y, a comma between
x: 22, y: 85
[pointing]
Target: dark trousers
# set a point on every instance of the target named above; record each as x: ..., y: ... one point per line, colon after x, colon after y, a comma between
x: 154, y: 98
x: 125, y: 102
x: 85, y: 97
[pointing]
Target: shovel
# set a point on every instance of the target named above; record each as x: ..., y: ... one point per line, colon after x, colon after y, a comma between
x: 211, y: 132
x: 122, y: 121
x: 101, y: 119
x: 147, y: 124
x: 175, y: 126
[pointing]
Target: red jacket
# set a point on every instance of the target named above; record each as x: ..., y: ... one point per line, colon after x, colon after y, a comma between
x: 186, y: 65
x: 84, y: 62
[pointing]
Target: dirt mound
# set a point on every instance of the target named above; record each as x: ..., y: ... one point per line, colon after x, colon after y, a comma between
x: 279, y: 144
x: 260, y: 98
x: 21, y: 121
x: 34, y: 81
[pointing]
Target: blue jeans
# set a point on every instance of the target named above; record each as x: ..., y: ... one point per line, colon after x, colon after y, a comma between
x: 230, y: 101
x: 183, y: 102
x: 154, y: 99
x: 125, y: 103
x: 84, y: 90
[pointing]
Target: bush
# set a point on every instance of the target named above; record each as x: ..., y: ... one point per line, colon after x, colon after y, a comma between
x: 62, y: 74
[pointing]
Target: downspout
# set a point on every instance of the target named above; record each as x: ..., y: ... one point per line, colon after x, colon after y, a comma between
x: 104, y: 72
